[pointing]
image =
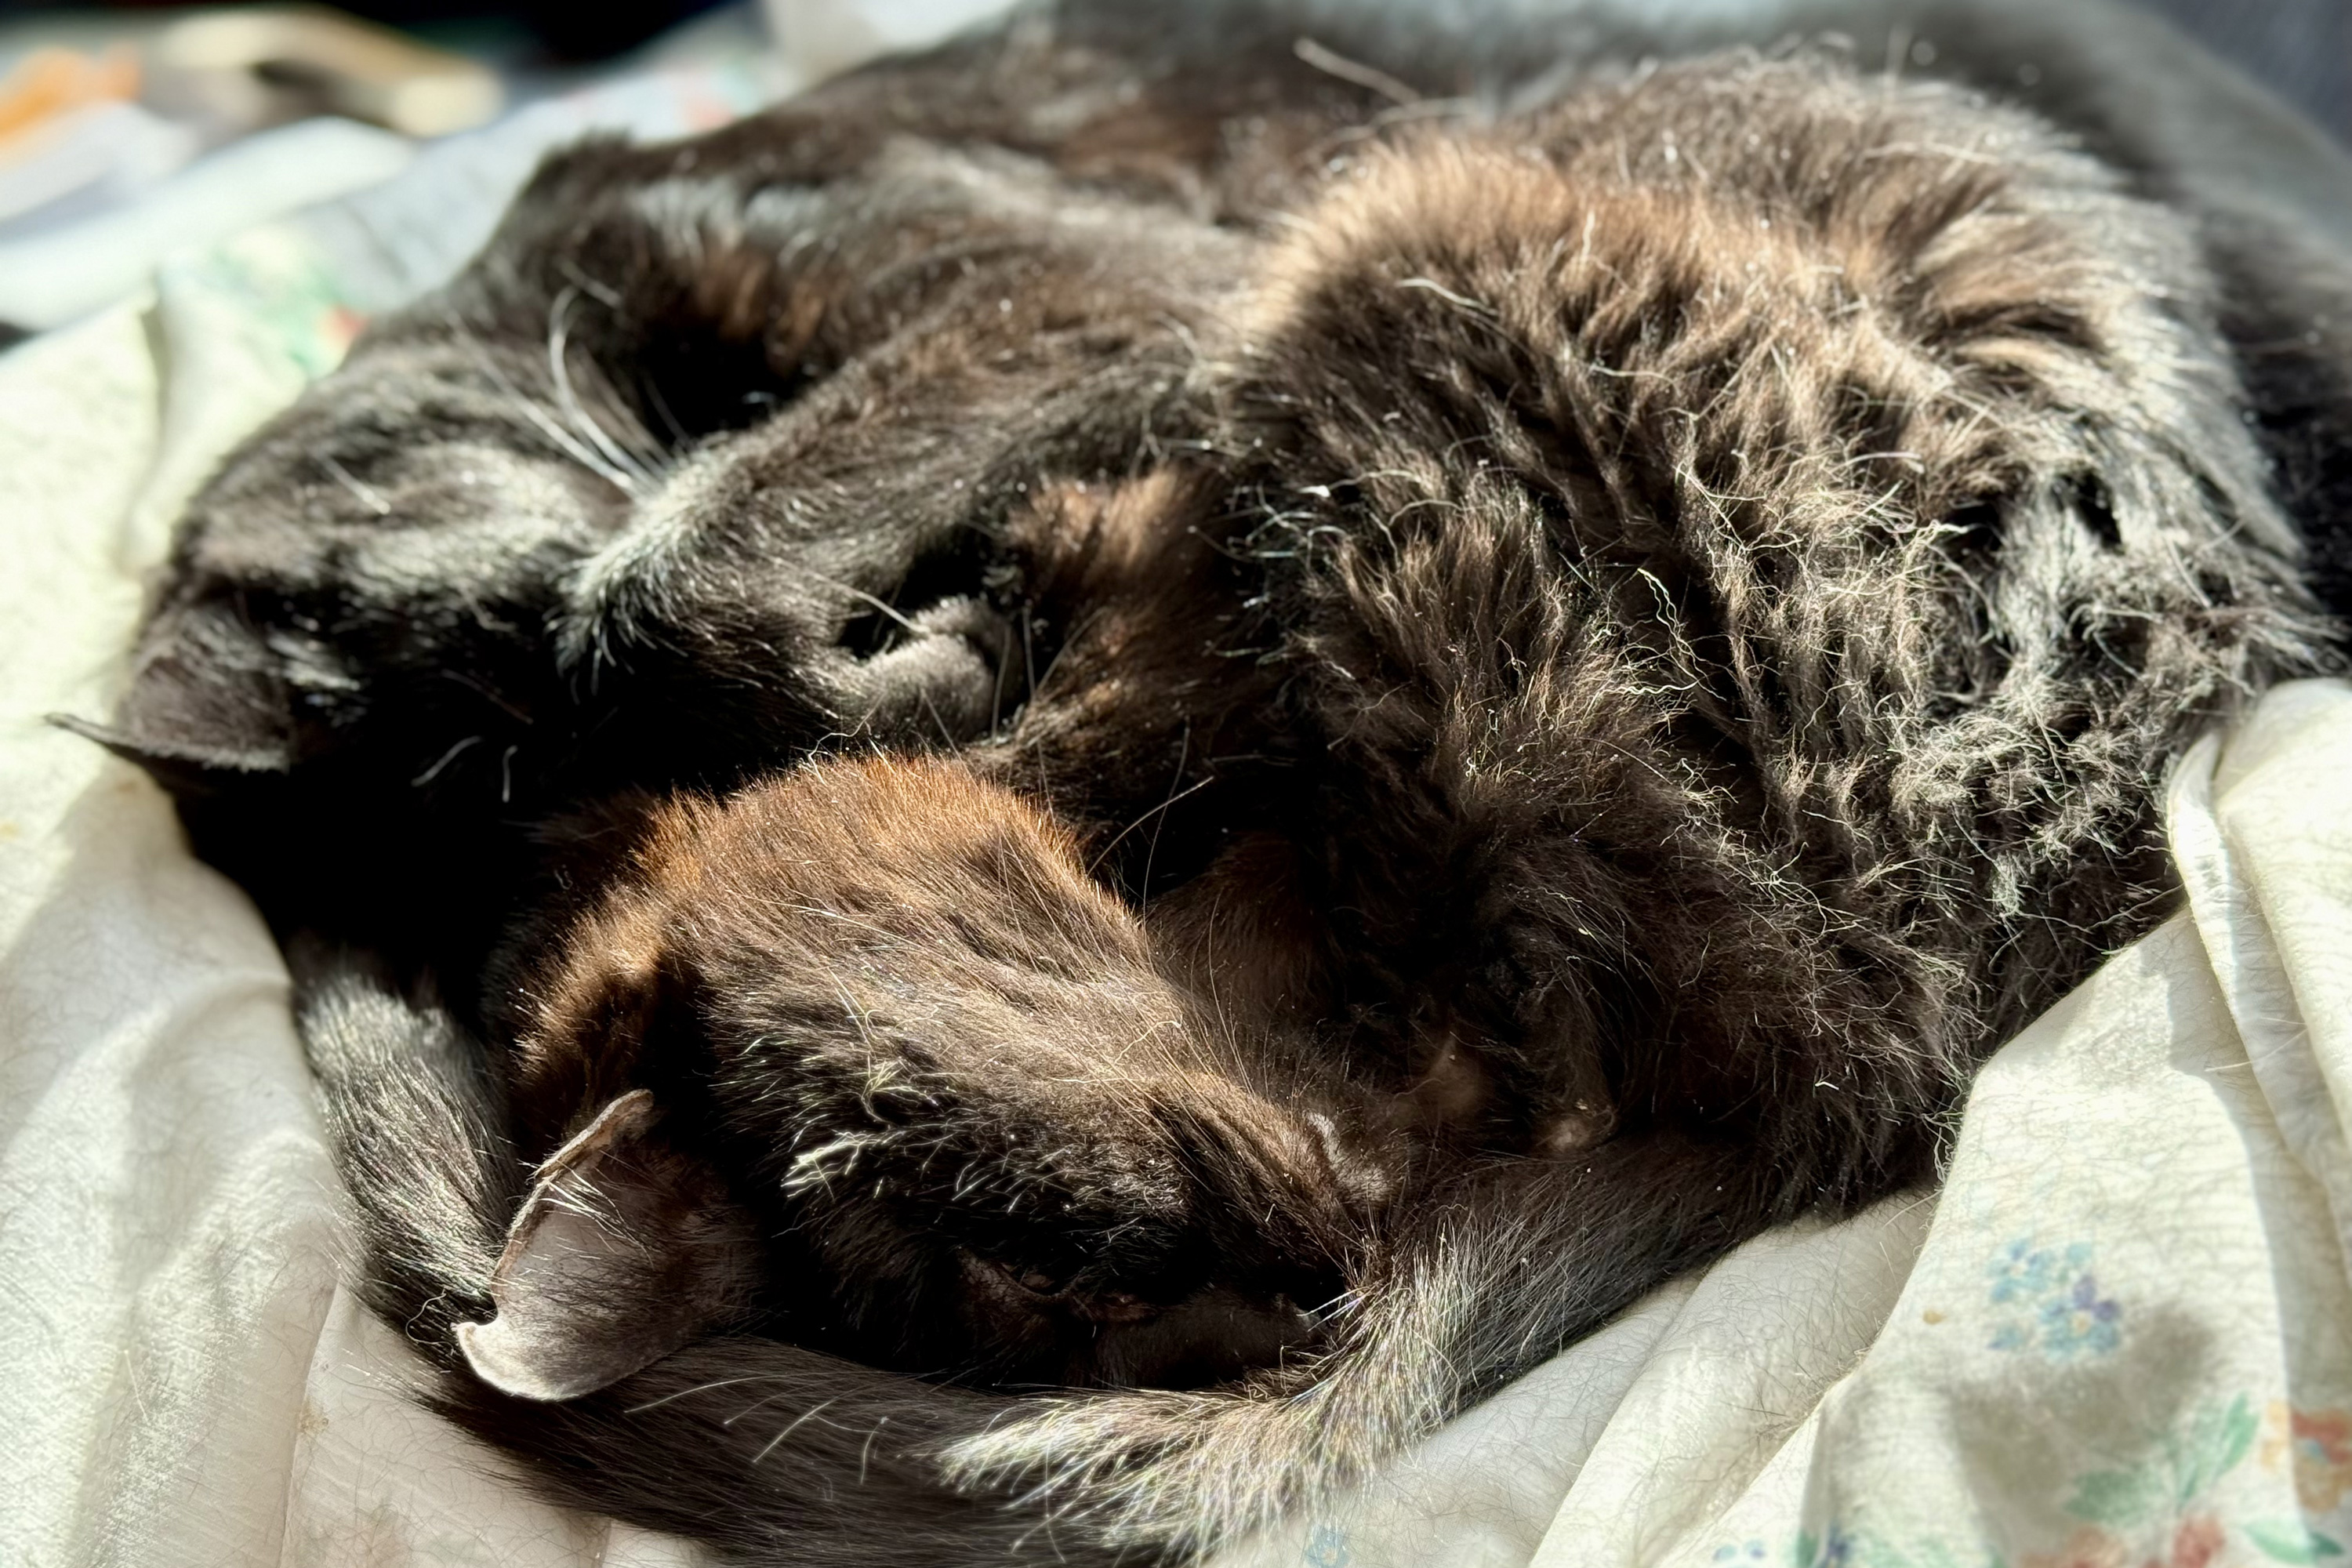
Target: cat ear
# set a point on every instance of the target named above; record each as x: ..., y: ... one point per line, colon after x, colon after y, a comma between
x: 207, y: 696
x: 625, y: 1250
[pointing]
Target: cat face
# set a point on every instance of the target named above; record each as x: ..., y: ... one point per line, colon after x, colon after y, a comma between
x: 861, y: 1054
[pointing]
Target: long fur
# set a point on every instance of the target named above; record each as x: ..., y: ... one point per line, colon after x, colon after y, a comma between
x: 778, y: 1431
x: 769, y: 1452
x: 1641, y: 610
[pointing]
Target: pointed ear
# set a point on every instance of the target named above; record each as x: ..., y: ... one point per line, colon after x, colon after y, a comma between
x: 624, y: 1251
x: 207, y: 696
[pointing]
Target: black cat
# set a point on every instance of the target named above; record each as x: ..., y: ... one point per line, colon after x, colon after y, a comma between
x: 1617, y: 629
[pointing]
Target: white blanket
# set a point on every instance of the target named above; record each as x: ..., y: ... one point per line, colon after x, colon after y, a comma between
x: 2121, y: 1337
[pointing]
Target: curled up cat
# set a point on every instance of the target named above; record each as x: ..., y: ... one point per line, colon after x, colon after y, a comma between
x: 1149, y: 763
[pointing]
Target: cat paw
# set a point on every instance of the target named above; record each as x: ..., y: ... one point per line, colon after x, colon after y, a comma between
x: 948, y: 673
x: 723, y: 607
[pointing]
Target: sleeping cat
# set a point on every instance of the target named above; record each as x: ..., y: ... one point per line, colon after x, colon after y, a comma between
x: 924, y: 1093
x: 1614, y: 633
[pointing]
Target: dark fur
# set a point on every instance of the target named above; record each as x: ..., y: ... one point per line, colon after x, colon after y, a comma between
x: 885, y: 1002
x: 1618, y: 633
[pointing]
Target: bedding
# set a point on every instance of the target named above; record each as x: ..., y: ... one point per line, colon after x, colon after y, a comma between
x: 2121, y: 1335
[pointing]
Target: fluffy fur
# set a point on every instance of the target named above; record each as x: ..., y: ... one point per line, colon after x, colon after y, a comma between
x: 1615, y: 633
x: 884, y: 1000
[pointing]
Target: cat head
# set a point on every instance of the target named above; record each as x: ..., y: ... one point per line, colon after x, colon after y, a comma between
x: 863, y: 1057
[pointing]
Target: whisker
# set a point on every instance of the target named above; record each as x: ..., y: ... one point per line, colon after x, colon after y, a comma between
x: 1097, y: 863
x: 798, y: 1422
x: 704, y: 1388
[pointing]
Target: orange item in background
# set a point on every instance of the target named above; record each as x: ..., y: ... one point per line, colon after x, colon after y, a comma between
x: 51, y: 82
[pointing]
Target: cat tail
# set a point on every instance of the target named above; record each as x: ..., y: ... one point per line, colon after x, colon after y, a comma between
x: 412, y: 1117
x: 772, y: 1453
x: 766, y: 1452
x: 776, y: 1455
x: 1492, y: 1277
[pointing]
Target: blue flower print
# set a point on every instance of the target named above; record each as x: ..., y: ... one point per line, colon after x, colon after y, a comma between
x: 2022, y: 1271
x: 2055, y: 1301
x: 2079, y: 1323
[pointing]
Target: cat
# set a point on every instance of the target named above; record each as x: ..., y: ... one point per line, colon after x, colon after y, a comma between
x: 1617, y: 629
x: 926, y: 1095
x: 858, y: 1069
x: 464, y: 583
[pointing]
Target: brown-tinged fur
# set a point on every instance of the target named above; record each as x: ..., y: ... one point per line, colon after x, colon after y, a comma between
x: 924, y: 1049
x: 1615, y: 635
x: 1670, y: 575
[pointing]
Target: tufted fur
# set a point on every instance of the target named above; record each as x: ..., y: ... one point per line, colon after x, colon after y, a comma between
x: 1615, y: 634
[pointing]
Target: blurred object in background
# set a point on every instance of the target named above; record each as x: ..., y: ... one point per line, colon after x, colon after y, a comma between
x: 578, y: 31
x: 551, y: 31
x: 133, y: 133
x: 826, y: 37
x: 100, y: 167
x: 2300, y: 50
x: 85, y: 131
x: 73, y: 140
x: 64, y: 261
x: 50, y: 82
x: 134, y: 129
x: 234, y: 71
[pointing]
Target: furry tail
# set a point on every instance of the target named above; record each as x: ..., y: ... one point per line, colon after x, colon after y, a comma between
x: 1493, y: 1278
x: 767, y: 1452
x: 771, y: 1453
x: 414, y: 1120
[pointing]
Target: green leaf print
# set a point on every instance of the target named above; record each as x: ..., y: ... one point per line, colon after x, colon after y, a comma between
x: 2118, y: 1496
x: 2290, y: 1541
x: 2217, y: 1440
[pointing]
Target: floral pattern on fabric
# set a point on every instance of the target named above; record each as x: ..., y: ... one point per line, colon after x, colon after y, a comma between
x: 1841, y: 1546
x: 286, y: 290
x: 2053, y: 1302
x: 2196, y: 1542
x: 2317, y: 1445
x: 2167, y: 1499
x: 2159, y: 1512
x: 1327, y: 1547
x: 2181, y: 1471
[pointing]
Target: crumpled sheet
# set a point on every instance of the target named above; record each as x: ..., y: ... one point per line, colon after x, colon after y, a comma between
x: 2121, y: 1337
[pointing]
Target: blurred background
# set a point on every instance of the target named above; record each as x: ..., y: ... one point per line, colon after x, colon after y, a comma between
x: 132, y: 131
x: 2302, y: 48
